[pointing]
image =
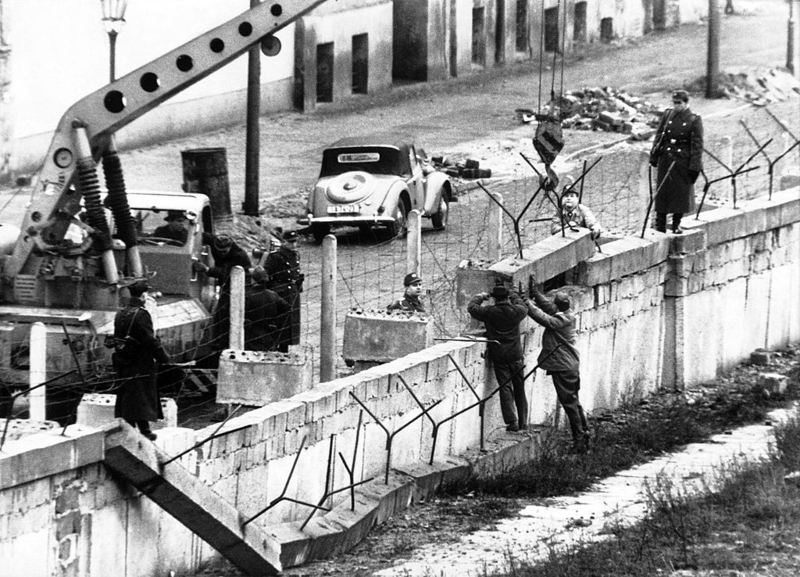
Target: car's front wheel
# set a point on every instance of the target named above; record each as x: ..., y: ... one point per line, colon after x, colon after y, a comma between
x: 439, y: 219
x: 399, y: 228
x: 320, y: 231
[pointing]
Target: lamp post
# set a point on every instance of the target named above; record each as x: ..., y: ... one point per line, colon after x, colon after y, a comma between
x: 113, y: 19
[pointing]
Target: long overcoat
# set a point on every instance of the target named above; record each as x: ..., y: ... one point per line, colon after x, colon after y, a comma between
x: 679, y: 139
x: 136, y: 364
x: 283, y: 267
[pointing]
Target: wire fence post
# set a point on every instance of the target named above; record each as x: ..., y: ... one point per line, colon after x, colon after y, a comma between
x: 327, y: 331
x: 38, y: 364
x: 414, y: 242
x: 495, y: 233
x: 237, y: 308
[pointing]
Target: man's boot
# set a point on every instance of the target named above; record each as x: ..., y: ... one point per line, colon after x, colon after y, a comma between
x: 660, y: 223
x: 676, y: 223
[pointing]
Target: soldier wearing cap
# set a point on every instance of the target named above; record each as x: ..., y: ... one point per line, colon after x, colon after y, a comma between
x: 264, y: 313
x: 176, y: 228
x: 502, y: 320
x: 227, y: 254
x: 136, y: 357
x: 560, y: 358
x: 573, y: 214
x: 678, y: 144
x: 285, y: 278
x: 410, y: 301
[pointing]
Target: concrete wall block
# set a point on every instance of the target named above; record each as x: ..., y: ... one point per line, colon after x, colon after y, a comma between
x: 256, y: 378
x: 381, y: 336
x: 691, y: 241
x: 275, y: 447
x: 472, y: 280
x: 602, y: 295
x: 773, y: 383
x: 760, y: 261
x: 595, y: 270
x: 549, y: 257
x: 48, y: 453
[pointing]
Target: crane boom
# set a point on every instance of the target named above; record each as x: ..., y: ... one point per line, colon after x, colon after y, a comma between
x: 87, y: 127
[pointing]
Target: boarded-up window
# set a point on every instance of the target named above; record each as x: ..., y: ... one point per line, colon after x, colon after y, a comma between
x: 360, y: 63
x: 551, y: 30
x: 325, y: 72
x: 579, y: 30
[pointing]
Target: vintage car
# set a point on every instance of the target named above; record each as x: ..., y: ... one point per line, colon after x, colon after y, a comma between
x: 376, y: 181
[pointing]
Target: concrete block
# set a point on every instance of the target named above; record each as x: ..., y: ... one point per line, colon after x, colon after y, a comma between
x: 382, y: 336
x: 790, y: 179
x: 474, y: 278
x: 42, y: 455
x: 595, y: 270
x: 96, y: 410
x: 773, y: 383
x: 692, y: 240
x: 256, y: 378
x: 550, y: 256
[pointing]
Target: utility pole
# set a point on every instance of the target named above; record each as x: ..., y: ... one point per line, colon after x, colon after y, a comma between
x: 252, y: 137
x: 712, y: 65
x: 790, y: 39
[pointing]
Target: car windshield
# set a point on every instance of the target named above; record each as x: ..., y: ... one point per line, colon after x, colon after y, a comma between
x: 374, y: 160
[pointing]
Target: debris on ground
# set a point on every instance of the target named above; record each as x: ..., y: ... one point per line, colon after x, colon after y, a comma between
x: 469, y: 168
x: 759, y: 88
x: 606, y: 109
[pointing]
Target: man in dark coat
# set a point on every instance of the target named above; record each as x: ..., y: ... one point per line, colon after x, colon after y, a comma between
x: 264, y: 310
x: 176, y: 228
x: 136, y: 357
x: 227, y: 254
x: 283, y: 268
x: 560, y: 358
x: 410, y: 301
x: 678, y: 144
x: 502, y: 321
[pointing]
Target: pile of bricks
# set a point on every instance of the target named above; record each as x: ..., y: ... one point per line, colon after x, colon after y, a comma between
x: 603, y: 109
x: 469, y: 168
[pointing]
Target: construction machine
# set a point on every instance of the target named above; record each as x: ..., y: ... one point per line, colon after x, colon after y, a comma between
x: 79, y: 242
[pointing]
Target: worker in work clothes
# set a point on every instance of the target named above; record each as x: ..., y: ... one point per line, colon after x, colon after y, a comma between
x: 136, y: 357
x: 285, y: 278
x: 410, y: 301
x: 572, y: 214
x: 264, y: 311
x: 678, y: 144
x: 560, y: 358
x: 502, y: 320
x: 227, y: 254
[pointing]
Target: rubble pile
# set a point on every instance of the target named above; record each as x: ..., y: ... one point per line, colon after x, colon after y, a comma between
x: 759, y: 88
x: 469, y: 168
x: 605, y: 109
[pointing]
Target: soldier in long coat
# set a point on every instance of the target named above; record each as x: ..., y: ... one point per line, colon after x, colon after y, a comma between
x: 283, y: 268
x: 679, y: 140
x: 136, y: 357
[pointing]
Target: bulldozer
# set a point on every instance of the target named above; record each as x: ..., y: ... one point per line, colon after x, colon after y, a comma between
x: 80, y: 243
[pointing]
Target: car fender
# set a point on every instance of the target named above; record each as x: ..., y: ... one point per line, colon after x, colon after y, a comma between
x: 393, y: 193
x: 436, y: 185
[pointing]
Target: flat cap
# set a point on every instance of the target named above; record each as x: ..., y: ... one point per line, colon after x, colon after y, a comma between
x: 500, y: 292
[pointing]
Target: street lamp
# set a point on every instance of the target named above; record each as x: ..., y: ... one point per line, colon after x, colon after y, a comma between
x: 113, y: 19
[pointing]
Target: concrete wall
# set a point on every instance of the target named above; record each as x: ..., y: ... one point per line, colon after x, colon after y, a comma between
x: 659, y: 311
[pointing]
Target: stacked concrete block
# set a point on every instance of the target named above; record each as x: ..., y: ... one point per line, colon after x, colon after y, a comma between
x: 255, y: 378
x: 473, y: 277
x: 381, y: 336
x: 97, y: 410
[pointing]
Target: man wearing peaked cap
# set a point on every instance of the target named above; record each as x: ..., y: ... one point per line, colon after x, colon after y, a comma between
x: 573, y: 214
x: 502, y: 321
x: 411, y: 297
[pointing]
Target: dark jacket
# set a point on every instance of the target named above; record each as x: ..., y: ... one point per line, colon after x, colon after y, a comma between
x: 136, y: 364
x: 502, y: 321
x: 407, y: 303
x: 165, y: 231
x: 679, y: 139
x: 264, y: 315
x: 224, y: 263
x: 559, y: 329
x: 285, y: 278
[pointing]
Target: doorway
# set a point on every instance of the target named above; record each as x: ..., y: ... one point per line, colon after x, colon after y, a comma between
x: 360, y: 55
x: 579, y: 30
x: 325, y: 72
x: 478, y: 36
x: 551, y: 30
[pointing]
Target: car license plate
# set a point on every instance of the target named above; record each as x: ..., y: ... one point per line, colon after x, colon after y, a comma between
x: 343, y: 209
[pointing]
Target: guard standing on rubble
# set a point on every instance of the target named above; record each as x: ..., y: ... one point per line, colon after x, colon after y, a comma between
x: 410, y: 301
x: 502, y: 321
x: 285, y: 278
x: 264, y: 313
x: 573, y: 214
x: 137, y: 353
x: 678, y: 154
x: 560, y: 358
x: 227, y: 254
